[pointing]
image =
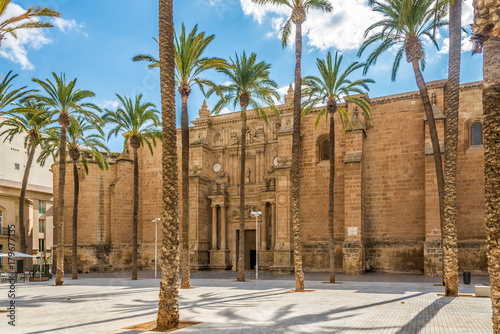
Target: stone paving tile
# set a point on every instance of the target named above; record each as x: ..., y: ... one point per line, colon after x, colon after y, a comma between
x: 107, y: 305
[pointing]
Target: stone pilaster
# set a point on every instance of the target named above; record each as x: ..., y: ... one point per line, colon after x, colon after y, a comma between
x: 433, y: 252
x: 283, y: 246
x: 354, y: 243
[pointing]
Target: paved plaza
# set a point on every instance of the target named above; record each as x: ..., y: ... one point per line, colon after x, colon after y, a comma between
x: 370, y: 303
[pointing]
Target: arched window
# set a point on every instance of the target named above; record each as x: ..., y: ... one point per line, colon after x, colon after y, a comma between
x: 476, y: 134
x: 325, y: 150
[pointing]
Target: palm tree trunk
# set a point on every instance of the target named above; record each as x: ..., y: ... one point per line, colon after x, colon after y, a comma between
x: 331, y: 199
x: 136, y: 211
x: 241, y: 243
x: 168, y: 305
x: 22, y: 197
x: 185, y: 265
x: 76, y: 193
x: 60, y: 208
x: 424, y: 95
x: 294, y: 170
x: 450, y: 248
x: 491, y: 116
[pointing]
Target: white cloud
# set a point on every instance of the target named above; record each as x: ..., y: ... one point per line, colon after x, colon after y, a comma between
x: 225, y: 110
x: 283, y: 91
x: 467, y: 13
x: 16, y: 50
x: 342, y: 29
x: 68, y: 25
x: 109, y: 104
x: 259, y: 12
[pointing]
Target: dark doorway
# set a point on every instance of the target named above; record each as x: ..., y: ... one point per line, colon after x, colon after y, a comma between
x: 249, y: 249
x: 250, y: 253
x: 253, y: 254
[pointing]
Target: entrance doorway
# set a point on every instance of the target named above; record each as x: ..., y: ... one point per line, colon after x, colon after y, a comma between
x: 250, y: 251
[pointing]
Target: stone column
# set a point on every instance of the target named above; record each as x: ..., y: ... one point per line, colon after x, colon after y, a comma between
x: 214, y: 227
x: 263, y: 229
x: 223, y: 227
x: 273, y: 225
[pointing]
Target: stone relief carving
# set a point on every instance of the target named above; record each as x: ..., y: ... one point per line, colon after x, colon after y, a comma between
x: 218, y: 139
x: 255, y: 134
x: 234, y: 138
x: 201, y: 137
x: 270, y: 170
x: 282, y: 199
x: 276, y: 130
x: 247, y: 175
x: 248, y: 210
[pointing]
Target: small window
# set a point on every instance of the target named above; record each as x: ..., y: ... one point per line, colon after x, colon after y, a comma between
x: 476, y: 134
x: 16, y: 166
x: 325, y: 150
x: 41, y: 226
x: 41, y: 245
x: 41, y: 207
x: 1, y: 251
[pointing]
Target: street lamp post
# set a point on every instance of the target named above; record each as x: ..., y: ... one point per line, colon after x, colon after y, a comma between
x: 256, y: 214
x: 156, y: 245
x: 51, y: 247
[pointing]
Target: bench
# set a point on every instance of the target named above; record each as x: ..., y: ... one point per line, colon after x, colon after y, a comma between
x: 482, y: 291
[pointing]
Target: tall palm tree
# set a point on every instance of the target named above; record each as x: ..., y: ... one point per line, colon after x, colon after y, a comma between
x: 168, y: 305
x: 63, y: 100
x: 22, y: 121
x: 449, y: 219
x: 24, y: 21
x: 404, y: 24
x: 80, y: 139
x: 298, y: 17
x: 450, y: 247
x: 139, y: 122
x: 249, y: 85
x: 189, y: 66
x: 486, y: 34
x: 331, y: 87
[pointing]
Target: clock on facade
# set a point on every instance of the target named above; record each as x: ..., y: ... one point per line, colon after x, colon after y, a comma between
x: 275, y: 161
x: 216, y: 167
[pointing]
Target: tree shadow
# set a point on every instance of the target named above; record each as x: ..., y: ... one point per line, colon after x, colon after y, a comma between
x: 416, y: 324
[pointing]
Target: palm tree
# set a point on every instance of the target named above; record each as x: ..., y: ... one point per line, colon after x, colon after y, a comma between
x: 449, y: 219
x: 249, y: 85
x: 79, y: 140
x: 24, y: 21
x: 486, y: 34
x: 22, y: 121
x: 168, y: 305
x: 450, y: 248
x: 331, y: 87
x: 298, y: 17
x: 189, y: 65
x: 9, y: 96
x: 404, y: 24
x: 139, y: 121
x: 63, y: 100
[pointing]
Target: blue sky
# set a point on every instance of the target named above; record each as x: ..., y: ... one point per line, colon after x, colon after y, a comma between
x: 94, y: 41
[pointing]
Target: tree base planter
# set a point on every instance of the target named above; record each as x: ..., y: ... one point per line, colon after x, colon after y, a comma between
x: 37, y: 279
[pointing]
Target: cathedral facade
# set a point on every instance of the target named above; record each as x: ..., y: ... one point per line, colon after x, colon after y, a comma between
x: 386, y: 202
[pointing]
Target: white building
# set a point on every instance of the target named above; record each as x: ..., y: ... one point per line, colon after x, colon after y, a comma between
x: 38, y: 205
